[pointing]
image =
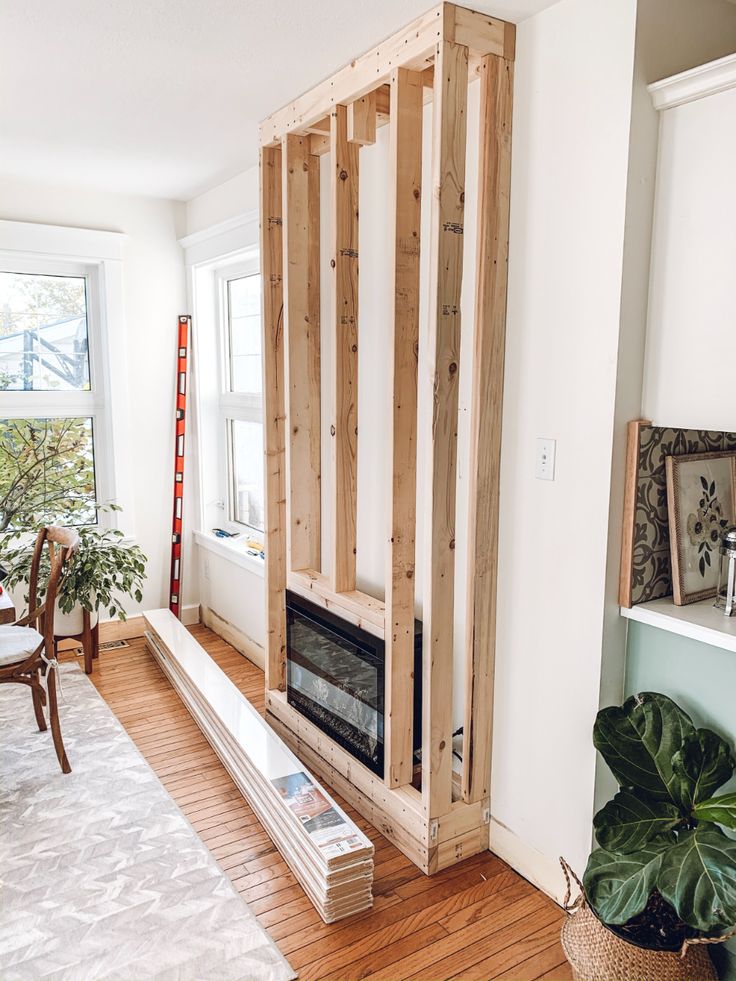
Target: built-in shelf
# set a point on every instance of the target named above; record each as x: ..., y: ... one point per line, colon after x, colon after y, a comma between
x: 698, y: 621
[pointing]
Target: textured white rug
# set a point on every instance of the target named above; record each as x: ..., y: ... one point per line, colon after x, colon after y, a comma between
x: 104, y: 879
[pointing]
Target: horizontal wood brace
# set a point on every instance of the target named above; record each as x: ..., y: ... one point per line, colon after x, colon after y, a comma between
x: 460, y: 819
x: 454, y: 850
x: 480, y: 33
x: 358, y: 608
x: 412, y: 47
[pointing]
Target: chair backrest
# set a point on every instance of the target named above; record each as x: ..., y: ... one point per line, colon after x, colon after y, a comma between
x: 62, y: 543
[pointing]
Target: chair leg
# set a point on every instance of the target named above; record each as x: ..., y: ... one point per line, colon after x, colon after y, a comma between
x: 55, y: 725
x: 87, y: 643
x: 38, y: 705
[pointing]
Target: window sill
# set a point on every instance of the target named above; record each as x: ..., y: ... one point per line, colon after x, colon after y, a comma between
x: 698, y: 621
x: 231, y: 549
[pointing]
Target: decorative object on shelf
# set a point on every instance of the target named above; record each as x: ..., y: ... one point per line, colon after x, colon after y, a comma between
x: 182, y: 362
x: 701, y: 502
x: 726, y: 593
x: 646, y: 572
x: 660, y: 887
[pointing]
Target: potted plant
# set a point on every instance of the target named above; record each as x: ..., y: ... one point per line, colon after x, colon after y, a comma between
x: 103, y: 570
x: 662, y: 884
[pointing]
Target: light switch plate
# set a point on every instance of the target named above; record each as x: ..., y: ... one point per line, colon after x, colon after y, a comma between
x: 545, y: 465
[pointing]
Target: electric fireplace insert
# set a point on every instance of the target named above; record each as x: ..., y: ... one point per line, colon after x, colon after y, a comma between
x: 335, y: 677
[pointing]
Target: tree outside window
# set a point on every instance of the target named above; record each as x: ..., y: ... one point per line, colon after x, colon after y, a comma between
x: 47, y: 466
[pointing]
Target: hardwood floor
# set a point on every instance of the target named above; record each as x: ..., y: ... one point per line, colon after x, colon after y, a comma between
x: 478, y: 920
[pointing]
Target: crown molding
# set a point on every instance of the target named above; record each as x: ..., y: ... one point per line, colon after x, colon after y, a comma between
x: 697, y: 83
x: 231, y: 235
x: 33, y: 238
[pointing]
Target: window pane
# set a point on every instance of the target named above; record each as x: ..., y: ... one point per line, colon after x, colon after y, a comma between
x: 43, y: 333
x: 244, y: 325
x: 47, y: 472
x: 246, y: 443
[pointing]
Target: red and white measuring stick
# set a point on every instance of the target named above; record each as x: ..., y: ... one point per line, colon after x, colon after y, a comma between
x: 182, y: 362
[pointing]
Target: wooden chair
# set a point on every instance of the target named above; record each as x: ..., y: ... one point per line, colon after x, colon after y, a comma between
x: 27, y: 653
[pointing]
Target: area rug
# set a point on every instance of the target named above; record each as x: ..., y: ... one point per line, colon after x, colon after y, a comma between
x: 103, y: 878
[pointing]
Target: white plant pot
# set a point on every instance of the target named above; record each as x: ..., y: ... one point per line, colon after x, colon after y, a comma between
x: 71, y: 624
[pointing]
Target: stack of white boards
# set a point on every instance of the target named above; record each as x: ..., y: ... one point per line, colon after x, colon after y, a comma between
x: 330, y: 857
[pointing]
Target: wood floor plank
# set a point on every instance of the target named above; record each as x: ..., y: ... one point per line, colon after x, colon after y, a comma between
x: 406, y: 926
x: 424, y: 907
x: 538, y: 952
x: 551, y: 960
x: 387, y: 955
x: 466, y: 949
x: 478, y: 920
x: 563, y: 972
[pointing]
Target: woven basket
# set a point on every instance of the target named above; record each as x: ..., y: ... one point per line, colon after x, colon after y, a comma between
x: 595, y: 953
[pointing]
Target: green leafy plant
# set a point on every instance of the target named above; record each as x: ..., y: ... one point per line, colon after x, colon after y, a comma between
x: 102, y: 571
x: 664, y: 863
x: 46, y: 472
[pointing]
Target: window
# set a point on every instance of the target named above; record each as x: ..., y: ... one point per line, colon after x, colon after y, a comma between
x: 241, y: 412
x: 43, y: 333
x: 246, y: 472
x: 49, y: 406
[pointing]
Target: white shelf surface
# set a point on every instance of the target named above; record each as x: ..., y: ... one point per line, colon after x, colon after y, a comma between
x: 698, y: 621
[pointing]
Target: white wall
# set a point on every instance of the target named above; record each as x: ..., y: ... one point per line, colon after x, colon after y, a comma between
x: 572, y: 106
x: 221, y: 203
x: 691, y: 338
x: 154, y: 291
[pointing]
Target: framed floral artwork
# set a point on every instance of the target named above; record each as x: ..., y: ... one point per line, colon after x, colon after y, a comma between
x: 701, y: 503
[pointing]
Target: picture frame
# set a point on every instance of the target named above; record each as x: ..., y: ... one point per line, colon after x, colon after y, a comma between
x: 701, y: 504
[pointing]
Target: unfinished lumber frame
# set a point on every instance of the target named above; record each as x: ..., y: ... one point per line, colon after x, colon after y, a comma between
x: 433, y: 59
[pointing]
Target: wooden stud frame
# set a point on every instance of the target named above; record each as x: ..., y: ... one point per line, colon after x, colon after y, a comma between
x: 433, y: 59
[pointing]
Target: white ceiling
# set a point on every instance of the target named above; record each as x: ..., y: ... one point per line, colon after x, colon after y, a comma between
x: 163, y: 97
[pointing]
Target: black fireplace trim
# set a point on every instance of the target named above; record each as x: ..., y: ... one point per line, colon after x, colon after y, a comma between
x: 371, y: 645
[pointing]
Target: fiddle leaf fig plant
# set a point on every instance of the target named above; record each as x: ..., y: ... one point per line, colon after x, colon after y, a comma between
x: 662, y: 836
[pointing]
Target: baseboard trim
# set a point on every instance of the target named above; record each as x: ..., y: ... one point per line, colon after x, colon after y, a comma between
x: 539, y: 869
x: 135, y: 626
x: 240, y: 641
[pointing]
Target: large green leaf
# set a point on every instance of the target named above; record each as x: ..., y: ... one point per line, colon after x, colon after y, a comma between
x: 618, y: 886
x: 718, y: 810
x: 702, y: 765
x: 698, y: 878
x: 631, y: 819
x: 639, y: 740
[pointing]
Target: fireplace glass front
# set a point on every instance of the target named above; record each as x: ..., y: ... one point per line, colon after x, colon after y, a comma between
x: 336, y: 679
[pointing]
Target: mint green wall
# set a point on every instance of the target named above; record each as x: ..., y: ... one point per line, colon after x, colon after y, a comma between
x: 702, y: 679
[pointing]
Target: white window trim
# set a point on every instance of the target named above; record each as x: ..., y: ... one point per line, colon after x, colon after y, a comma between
x: 213, y: 250
x: 232, y: 550
x: 35, y: 247
x: 233, y: 406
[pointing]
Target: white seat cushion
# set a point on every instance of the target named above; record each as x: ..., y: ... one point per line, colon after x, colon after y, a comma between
x: 16, y: 643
